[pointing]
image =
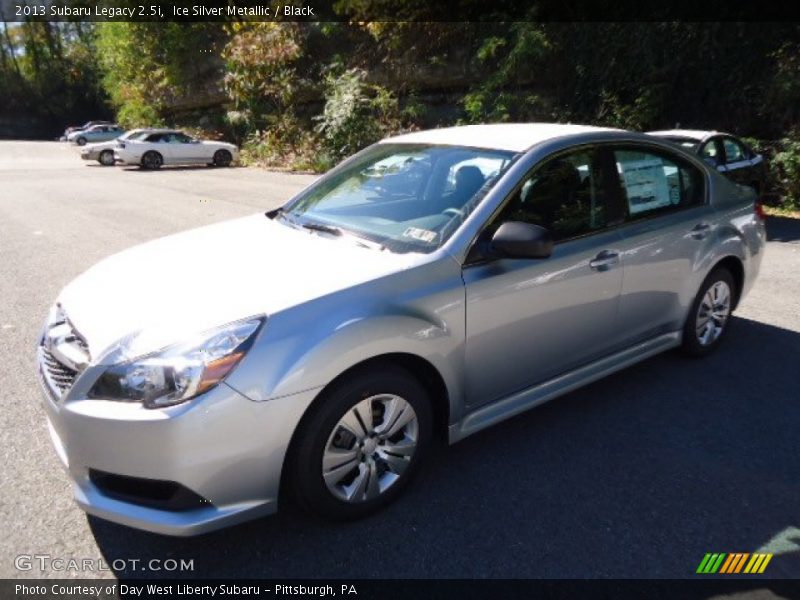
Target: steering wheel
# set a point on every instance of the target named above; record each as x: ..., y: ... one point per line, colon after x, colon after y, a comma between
x: 455, y: 212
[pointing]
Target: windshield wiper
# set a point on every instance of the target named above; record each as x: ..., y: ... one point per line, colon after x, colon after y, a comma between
x: 339, y: 232
x: 322, y: 227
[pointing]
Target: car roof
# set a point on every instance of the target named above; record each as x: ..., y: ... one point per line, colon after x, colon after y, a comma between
x: 690, y: 134
x: 516, y: 137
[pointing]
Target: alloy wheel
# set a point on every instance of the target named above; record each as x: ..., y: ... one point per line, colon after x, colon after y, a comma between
x: 107, y: 158
x: 152, y: 160
x: 222, y: 158
x: 713, y: 313
x: 370, y: 448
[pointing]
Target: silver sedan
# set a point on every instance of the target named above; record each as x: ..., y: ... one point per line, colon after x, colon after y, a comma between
x: 434, y: 284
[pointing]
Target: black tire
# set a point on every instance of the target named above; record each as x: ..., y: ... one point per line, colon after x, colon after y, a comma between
x: 321, y: 425
x: 692, y: 343
x: 152, y: 160
x: 81, y: 141
x: 222, y: 158
x: 106, y: 158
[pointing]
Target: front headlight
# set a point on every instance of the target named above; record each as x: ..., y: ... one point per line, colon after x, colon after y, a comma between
x: 180, y: 372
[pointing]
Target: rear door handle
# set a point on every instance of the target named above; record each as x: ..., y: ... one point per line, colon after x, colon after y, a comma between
x: 604, y: 261
x: 700, y: 231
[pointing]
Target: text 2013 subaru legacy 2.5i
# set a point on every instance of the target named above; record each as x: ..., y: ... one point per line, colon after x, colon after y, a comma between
x: 435, y: 283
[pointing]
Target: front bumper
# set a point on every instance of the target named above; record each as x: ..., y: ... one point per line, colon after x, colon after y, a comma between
x: 90, y: 155
x: 222, y: 446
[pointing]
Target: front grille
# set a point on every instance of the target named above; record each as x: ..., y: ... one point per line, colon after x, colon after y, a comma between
x: 63, y: 354
x: 60, y: 375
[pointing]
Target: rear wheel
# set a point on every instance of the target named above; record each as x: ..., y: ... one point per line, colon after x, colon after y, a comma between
x: 81, y: 141
x: 710, y: 313
x: 222, y: 158
x: 152, y: 160
x: 106, y: 158
x: 361, y: 444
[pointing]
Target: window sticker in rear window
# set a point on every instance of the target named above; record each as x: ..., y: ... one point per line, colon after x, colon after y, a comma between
x: 646, y: 185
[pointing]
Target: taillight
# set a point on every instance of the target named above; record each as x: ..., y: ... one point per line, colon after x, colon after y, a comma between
x: 759, y: 209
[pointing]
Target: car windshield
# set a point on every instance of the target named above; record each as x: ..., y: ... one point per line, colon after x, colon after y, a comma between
x: 401, y: 197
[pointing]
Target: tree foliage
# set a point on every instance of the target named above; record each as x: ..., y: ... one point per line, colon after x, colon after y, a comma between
x: 148, y: 68
x: 48, y: 75
x: 309, y: 93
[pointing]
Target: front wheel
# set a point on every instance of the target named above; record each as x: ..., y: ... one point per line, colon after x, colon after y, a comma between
x: 222, y: 158
x: 106, y: 158
x: 710, y: 314
x: 361, y: 444
x: 152, y: 160
x: 81, y: 141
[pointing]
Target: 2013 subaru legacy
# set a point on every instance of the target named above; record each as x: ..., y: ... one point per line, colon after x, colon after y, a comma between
x: 436, y: 282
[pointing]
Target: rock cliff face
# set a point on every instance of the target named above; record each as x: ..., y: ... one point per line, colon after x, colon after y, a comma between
x: 439, y: 86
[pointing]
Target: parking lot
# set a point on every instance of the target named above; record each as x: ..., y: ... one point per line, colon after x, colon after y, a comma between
x: 638, y: 475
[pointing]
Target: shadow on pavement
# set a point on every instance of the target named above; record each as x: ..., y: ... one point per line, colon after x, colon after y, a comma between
x: 783, y: 229
x: 174, y: 168
x: 638, y: 475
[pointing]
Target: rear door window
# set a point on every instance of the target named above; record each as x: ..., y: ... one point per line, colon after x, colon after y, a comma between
x: 653, y: 184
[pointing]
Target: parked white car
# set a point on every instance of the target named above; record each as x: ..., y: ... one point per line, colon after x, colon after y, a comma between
x: 171, y: 147
x: 103, y: 152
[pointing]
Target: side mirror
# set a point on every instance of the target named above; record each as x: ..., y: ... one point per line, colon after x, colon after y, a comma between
x: 515, y: 239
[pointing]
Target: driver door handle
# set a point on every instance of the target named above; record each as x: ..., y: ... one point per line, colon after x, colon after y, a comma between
x: 605, y: 260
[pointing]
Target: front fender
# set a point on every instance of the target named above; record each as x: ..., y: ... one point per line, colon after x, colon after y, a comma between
x: 308, y: 346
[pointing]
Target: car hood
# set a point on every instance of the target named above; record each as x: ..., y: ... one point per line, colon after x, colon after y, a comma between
x: 163, y: 291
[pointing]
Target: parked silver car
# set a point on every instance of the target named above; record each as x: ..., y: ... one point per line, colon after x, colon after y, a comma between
x: 95, y: 133
x: 436, y: 282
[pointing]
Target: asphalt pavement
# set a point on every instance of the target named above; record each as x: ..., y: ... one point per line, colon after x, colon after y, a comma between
x: 637, y: 475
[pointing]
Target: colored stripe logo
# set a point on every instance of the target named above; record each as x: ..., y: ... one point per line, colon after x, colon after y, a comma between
x: 736, y: 562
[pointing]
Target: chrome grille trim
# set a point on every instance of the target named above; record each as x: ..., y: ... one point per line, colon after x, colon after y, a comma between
x: 62, y: 355
x: 61, y: 376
